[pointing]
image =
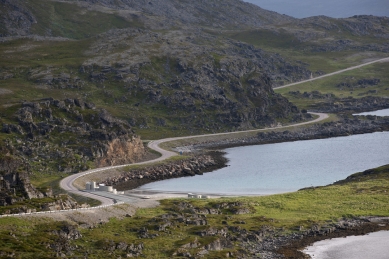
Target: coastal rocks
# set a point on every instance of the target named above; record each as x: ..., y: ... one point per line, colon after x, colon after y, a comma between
x: 62, y: 202
x: 349, y: 104
x: 188, y: 167
x: 291, y: 245
x: 144, y: 233
x: 343, y: 127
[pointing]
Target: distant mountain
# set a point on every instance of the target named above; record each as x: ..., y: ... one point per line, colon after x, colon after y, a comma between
x: 25, y: 17
x: 215, y: 14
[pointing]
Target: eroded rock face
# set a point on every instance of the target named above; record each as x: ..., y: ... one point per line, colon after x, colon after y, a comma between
x: 122, y: 151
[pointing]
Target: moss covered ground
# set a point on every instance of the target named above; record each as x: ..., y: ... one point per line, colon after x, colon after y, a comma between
x: 362, y: 194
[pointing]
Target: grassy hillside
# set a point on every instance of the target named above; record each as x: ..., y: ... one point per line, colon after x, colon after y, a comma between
x: 362, y: 194
x: 343, y: 85
x: 289, y: 46
x: 68, y: 20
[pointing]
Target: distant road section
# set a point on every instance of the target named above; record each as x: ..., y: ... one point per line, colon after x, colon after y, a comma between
x: 334, y: 73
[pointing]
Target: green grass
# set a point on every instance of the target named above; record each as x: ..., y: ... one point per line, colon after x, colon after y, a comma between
x: 329, y: 85
x: 70, y: 21
x: 25, y: 52
x: 363, y: 194
x: 294, y: 50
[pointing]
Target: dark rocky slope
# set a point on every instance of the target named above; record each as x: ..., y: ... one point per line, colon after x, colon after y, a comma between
x: 70, y: 136
x: 50, y: 138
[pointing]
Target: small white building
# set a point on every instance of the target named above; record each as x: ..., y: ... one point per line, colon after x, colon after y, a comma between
x: 92, y: 186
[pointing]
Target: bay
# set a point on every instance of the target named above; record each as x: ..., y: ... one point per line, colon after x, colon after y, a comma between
x: 286, y: 167
x: 373, y: 245
x: 331, y: 8
x: 383, y: 112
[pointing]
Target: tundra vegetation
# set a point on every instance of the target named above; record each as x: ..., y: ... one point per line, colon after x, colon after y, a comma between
x: 82, y: 82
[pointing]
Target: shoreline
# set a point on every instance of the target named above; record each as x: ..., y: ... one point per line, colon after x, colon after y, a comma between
x: 197, y: 164
x: 344, y: 127
x: 292, y: 244
x: 354, y: 227
x: 372, y: 244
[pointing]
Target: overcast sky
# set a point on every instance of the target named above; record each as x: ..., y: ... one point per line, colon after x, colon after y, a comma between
x: 332, y: 8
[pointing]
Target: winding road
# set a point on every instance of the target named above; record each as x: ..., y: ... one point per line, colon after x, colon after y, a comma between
x: 67, y: 183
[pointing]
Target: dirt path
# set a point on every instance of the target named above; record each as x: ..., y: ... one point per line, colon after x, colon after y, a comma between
x: 334, y: 73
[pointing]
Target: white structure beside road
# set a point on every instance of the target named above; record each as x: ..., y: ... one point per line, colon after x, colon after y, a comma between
x: 92, y: 186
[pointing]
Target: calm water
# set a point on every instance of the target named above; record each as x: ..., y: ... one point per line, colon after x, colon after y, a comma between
x: 384, y: 112
x: 331, y: 8
x: 286, y: 167
x: 374, y: 245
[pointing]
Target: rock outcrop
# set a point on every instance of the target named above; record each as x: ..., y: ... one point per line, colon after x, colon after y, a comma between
x: 349, y: 104
x: 16, y: 19
x: 68, y: 135
x: 196, y: 165
x: 344, y: 127
x: 58, y: 137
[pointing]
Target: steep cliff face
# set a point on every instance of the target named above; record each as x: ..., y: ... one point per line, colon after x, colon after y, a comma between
x: 121, y: 151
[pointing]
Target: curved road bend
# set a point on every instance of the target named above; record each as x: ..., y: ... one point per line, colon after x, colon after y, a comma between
x: 334, y: 73
x: 67, y: 183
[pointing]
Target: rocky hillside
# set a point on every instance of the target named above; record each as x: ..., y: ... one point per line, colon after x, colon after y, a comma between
x: 69, y: 136
x: 184, y: 79
x: 361, y: 32
x: 173, y: 67
x: 49, y: 139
